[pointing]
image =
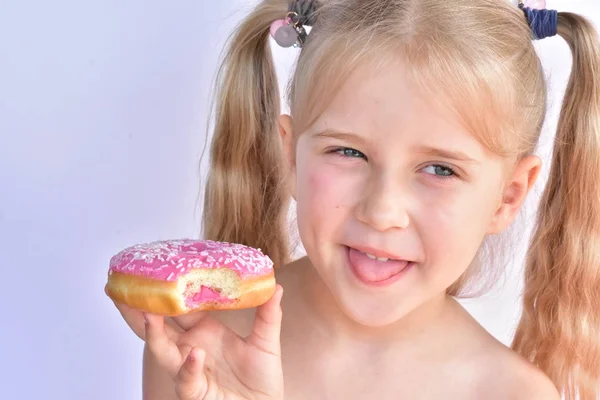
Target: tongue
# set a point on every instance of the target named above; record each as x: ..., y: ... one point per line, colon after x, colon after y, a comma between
x: 372, y: 270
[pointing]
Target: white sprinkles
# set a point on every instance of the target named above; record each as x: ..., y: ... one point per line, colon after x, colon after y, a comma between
x: 169, y: 259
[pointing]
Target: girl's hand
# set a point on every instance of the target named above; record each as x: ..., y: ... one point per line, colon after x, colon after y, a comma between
x: 210, y: 362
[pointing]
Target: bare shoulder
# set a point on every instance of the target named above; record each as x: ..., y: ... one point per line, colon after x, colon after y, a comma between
x: 491, y: 369
x: 504, y: 374
x: 517, y: 378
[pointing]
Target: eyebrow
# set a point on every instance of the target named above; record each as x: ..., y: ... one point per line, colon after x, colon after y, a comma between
x: 345, y: 136
x: 445, y: 153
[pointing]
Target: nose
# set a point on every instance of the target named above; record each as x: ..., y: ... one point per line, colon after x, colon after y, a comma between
x: 383, y: 205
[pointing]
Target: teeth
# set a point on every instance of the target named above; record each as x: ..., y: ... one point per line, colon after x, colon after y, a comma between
x: 372, y: 257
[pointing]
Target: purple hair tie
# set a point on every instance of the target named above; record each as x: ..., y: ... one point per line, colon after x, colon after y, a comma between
x: 543, y: 22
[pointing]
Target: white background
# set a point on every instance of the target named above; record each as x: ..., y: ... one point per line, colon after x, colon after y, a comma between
x: 103, y: 107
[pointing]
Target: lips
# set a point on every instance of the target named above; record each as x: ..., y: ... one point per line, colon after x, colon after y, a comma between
x: 375, y: 269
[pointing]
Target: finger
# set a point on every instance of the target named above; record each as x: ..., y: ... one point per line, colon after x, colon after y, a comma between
x: 187, y: 321
x: 172, y: 332
x: 162, y: 344
x: 267, y: 324
x: 170, y: 321
x: 191, y: 382
x: 134, y: 319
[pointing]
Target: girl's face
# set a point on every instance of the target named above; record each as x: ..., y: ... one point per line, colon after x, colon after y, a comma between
x: 394, y: 197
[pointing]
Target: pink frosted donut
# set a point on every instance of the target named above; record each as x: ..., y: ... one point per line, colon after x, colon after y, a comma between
x: 174, y: 277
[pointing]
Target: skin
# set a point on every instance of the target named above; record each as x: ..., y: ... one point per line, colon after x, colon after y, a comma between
x: 376, y: 169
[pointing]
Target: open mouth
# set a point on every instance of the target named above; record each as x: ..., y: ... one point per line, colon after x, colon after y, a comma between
x: 372, y: 257
x: 376, y: 270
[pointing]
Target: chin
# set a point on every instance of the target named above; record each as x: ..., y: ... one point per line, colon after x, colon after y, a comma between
x: 367, y: 303
x: 372, y: 305
x: 374, y: 316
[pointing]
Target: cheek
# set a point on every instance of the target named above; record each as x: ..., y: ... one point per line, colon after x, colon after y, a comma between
x: 321, y: 191
x: 326, y: 193
x: 453, y: 223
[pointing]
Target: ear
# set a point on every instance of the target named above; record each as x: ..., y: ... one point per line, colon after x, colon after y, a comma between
x: 286, y: 130
x: 515, y: 192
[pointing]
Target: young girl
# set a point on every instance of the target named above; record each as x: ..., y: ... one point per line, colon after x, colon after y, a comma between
x: 410, y: 144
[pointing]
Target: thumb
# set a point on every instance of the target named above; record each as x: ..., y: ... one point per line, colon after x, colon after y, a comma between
x: 267, y: 324
x: 191, y: 383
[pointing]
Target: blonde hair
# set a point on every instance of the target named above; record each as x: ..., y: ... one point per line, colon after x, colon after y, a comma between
x: 471, y: 53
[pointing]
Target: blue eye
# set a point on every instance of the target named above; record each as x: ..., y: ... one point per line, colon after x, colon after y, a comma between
x: 440, y: 171
x: 348, y: 152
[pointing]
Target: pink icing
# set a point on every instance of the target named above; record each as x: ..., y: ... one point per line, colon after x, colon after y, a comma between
x: 206, y: 294
x: 168, y: 259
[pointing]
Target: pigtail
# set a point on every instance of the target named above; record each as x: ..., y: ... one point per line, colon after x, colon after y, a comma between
x: 560, y: 327
x: 244, y: 201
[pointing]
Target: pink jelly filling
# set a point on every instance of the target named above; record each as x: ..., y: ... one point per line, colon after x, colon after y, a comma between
x: 206, y: 294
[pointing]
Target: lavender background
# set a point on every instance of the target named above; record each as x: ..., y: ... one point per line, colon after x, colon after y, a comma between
x: 102, y: 115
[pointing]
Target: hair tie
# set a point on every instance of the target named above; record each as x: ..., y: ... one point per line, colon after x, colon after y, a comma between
x: 543, y: 22
x: 289, y: 31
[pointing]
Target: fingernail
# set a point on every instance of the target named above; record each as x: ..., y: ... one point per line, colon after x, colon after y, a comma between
x: 191, y: 356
